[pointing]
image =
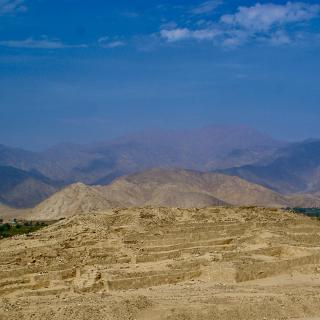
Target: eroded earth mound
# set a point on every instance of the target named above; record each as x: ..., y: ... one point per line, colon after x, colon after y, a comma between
x: 160, y: 263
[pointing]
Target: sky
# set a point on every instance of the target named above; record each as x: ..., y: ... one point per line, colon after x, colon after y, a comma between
x: 83, y: 71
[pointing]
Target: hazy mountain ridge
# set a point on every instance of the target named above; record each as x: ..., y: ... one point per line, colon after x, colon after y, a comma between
x: 19, y: 188
x: 200, y: 149
x: 284, y: 168
x: 292, y: 169
x: 17, y: 157
x: 30, y: 161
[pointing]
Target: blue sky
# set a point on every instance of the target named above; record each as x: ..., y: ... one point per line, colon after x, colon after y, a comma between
x: 84, y: 71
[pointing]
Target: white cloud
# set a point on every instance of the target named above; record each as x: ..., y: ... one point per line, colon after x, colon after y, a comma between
x: 105, y: 42
x: 261, y: 23
x: 206, y: 7
x: 115, y: 44
x: 262, y: 17
x: 12, y: 6
x: 31, y: 43
x: 175, y: 34
x: 187, y: 34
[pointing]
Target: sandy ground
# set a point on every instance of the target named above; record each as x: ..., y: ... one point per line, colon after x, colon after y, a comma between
x: 157, y: 263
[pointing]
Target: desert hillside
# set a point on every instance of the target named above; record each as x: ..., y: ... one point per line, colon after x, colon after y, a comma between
x: 147, y: 187
x: 165, y: 264
x: 76, y: 198
x: 157, y: 188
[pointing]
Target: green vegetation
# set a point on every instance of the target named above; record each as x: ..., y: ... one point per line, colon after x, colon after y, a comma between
x: 19, y: 227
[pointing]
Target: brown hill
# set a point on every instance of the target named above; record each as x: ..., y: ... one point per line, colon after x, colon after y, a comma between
x: 79, y: 198
x: 157, y: 186
x: 76, y: 198
x: 165, y: 188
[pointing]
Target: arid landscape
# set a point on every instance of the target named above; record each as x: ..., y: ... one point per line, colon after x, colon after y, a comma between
x: 160, y: 263
x: 162, y: 243
x: 159, y: 160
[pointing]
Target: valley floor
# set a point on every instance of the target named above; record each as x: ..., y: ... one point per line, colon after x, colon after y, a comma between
x: 165, y: 264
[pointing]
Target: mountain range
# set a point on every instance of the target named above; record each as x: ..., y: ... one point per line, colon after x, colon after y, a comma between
x: 287, y: 172
x: 209, y: 148
x: 20, y: 188
x: 162, y: 188
x: 294, y: 168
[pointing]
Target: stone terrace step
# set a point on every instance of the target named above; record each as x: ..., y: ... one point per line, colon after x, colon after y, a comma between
x: 187, y: 245
x: 152, y: 280
x: 43, y: 292
x: 165, y: 239
x: 153, y: 257
x: 17, y: 287
x: 259, y: 270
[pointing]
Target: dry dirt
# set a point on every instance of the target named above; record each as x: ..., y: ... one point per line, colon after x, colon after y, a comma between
x: 160, y: 263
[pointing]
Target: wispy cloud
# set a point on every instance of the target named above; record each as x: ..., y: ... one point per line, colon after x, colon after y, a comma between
x: 31, y: 43
x: 12, y: 6
x: 187, y: 34
x: 206, y: 7
x: 262, y: 17
x: 260, y: 22
x: 115, y: 44
x: 106, y: 42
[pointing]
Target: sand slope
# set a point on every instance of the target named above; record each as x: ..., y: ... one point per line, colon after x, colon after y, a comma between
x: 76, y: 198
